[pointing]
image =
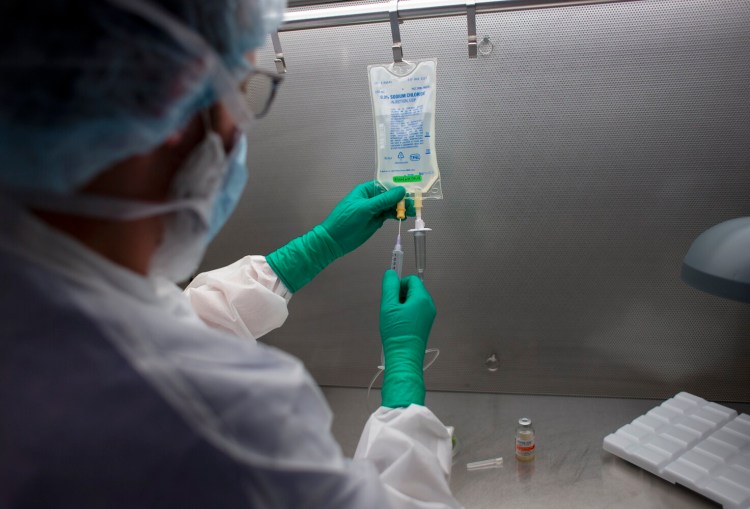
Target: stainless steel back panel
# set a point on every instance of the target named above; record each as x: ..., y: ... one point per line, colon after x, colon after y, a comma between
x: 579, y: 161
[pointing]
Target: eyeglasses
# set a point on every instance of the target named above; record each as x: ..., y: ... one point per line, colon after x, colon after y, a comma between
x: 259, y: 90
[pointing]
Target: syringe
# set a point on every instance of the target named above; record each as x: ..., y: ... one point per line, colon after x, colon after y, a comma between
x: 397, y: 259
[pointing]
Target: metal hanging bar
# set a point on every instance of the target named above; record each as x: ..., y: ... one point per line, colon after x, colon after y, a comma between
x: 398, y: 51
x: 471, y: 25
x: 413, y: 9
x: 280, y: 61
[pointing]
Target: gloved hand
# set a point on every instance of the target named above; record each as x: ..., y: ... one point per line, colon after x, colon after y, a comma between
x: 362, y: 212
x: 406, y: 316
x: 351, y: 223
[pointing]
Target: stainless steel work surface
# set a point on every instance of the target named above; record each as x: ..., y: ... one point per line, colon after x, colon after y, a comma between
x: 579, y: 161
x: 571, y: 470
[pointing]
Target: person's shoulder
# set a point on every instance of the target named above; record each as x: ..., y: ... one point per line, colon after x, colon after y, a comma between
x: 223, y: 362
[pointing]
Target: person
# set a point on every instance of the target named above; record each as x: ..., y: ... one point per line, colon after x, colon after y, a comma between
x: 122, y: 152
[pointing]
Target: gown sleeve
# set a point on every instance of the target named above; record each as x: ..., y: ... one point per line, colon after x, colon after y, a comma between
x: 246, y: 298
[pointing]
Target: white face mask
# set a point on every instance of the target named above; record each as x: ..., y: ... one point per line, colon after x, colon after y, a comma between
x: 203, y: 194
x: 212, y: 183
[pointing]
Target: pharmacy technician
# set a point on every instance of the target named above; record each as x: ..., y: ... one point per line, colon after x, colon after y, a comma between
x: 122, y: 152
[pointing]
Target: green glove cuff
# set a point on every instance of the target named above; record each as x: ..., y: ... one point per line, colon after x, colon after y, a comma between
x: 298, y: 262
x: 403, y: 381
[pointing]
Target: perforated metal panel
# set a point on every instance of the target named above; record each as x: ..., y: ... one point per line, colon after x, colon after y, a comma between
x: 579, y: 161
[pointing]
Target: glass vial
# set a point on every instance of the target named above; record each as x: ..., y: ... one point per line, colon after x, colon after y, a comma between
x: 525, y: 440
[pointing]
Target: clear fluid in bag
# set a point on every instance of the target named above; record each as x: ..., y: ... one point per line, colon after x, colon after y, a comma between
x: 403, y: 105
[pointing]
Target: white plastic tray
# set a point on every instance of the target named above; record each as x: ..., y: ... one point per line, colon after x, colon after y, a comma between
x: 688, y: 440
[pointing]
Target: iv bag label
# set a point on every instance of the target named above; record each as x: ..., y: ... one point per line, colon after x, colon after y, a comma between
x: 407, y: 127
x: 401, y: 179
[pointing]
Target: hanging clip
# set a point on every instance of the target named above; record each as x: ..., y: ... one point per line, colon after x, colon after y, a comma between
x: 471, y: 24
x: 398, y: 52
x: 279, y: 60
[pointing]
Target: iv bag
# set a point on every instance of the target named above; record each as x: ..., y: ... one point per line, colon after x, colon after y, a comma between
x: 403, y: 107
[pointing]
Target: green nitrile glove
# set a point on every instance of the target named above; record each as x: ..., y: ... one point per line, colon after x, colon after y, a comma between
x: 351, y: 223
x: 298, y: 262
x: 406, y: 316
x: 362, y: 212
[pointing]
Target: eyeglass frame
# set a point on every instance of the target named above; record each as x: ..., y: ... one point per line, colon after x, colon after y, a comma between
x: 276, y: 81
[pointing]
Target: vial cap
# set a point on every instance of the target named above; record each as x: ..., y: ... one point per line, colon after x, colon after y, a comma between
x: 524, y: 421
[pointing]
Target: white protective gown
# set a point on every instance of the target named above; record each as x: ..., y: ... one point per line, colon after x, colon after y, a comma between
x: 253, y: 403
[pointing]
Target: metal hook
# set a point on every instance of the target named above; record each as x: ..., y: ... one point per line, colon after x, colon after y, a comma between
x: 398, y: 52
x: 279, y: 60
x: 471, y: 24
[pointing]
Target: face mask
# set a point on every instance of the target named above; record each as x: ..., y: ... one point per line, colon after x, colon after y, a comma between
x: 232, y: 188
x: 203, y: 195
x: 212, y: 183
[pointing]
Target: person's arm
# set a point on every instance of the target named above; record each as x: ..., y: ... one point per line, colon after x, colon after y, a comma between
x: 410, y: 447
x: 411, y: 451
x: 354, y: 220
x: 245, y: 298
x: 249, y: 297
x: 403, y: 459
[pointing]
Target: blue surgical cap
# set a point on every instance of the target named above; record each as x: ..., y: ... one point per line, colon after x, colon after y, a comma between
x: 87, y: 83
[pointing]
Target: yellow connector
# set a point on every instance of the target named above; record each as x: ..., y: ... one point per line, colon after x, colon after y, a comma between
x: 401, y: 209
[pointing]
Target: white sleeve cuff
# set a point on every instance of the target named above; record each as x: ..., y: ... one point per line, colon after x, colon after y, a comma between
x: 245, y: 298
x: 411, y: 450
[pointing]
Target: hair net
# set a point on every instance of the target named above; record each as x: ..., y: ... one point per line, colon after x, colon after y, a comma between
x: 86, y: 83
